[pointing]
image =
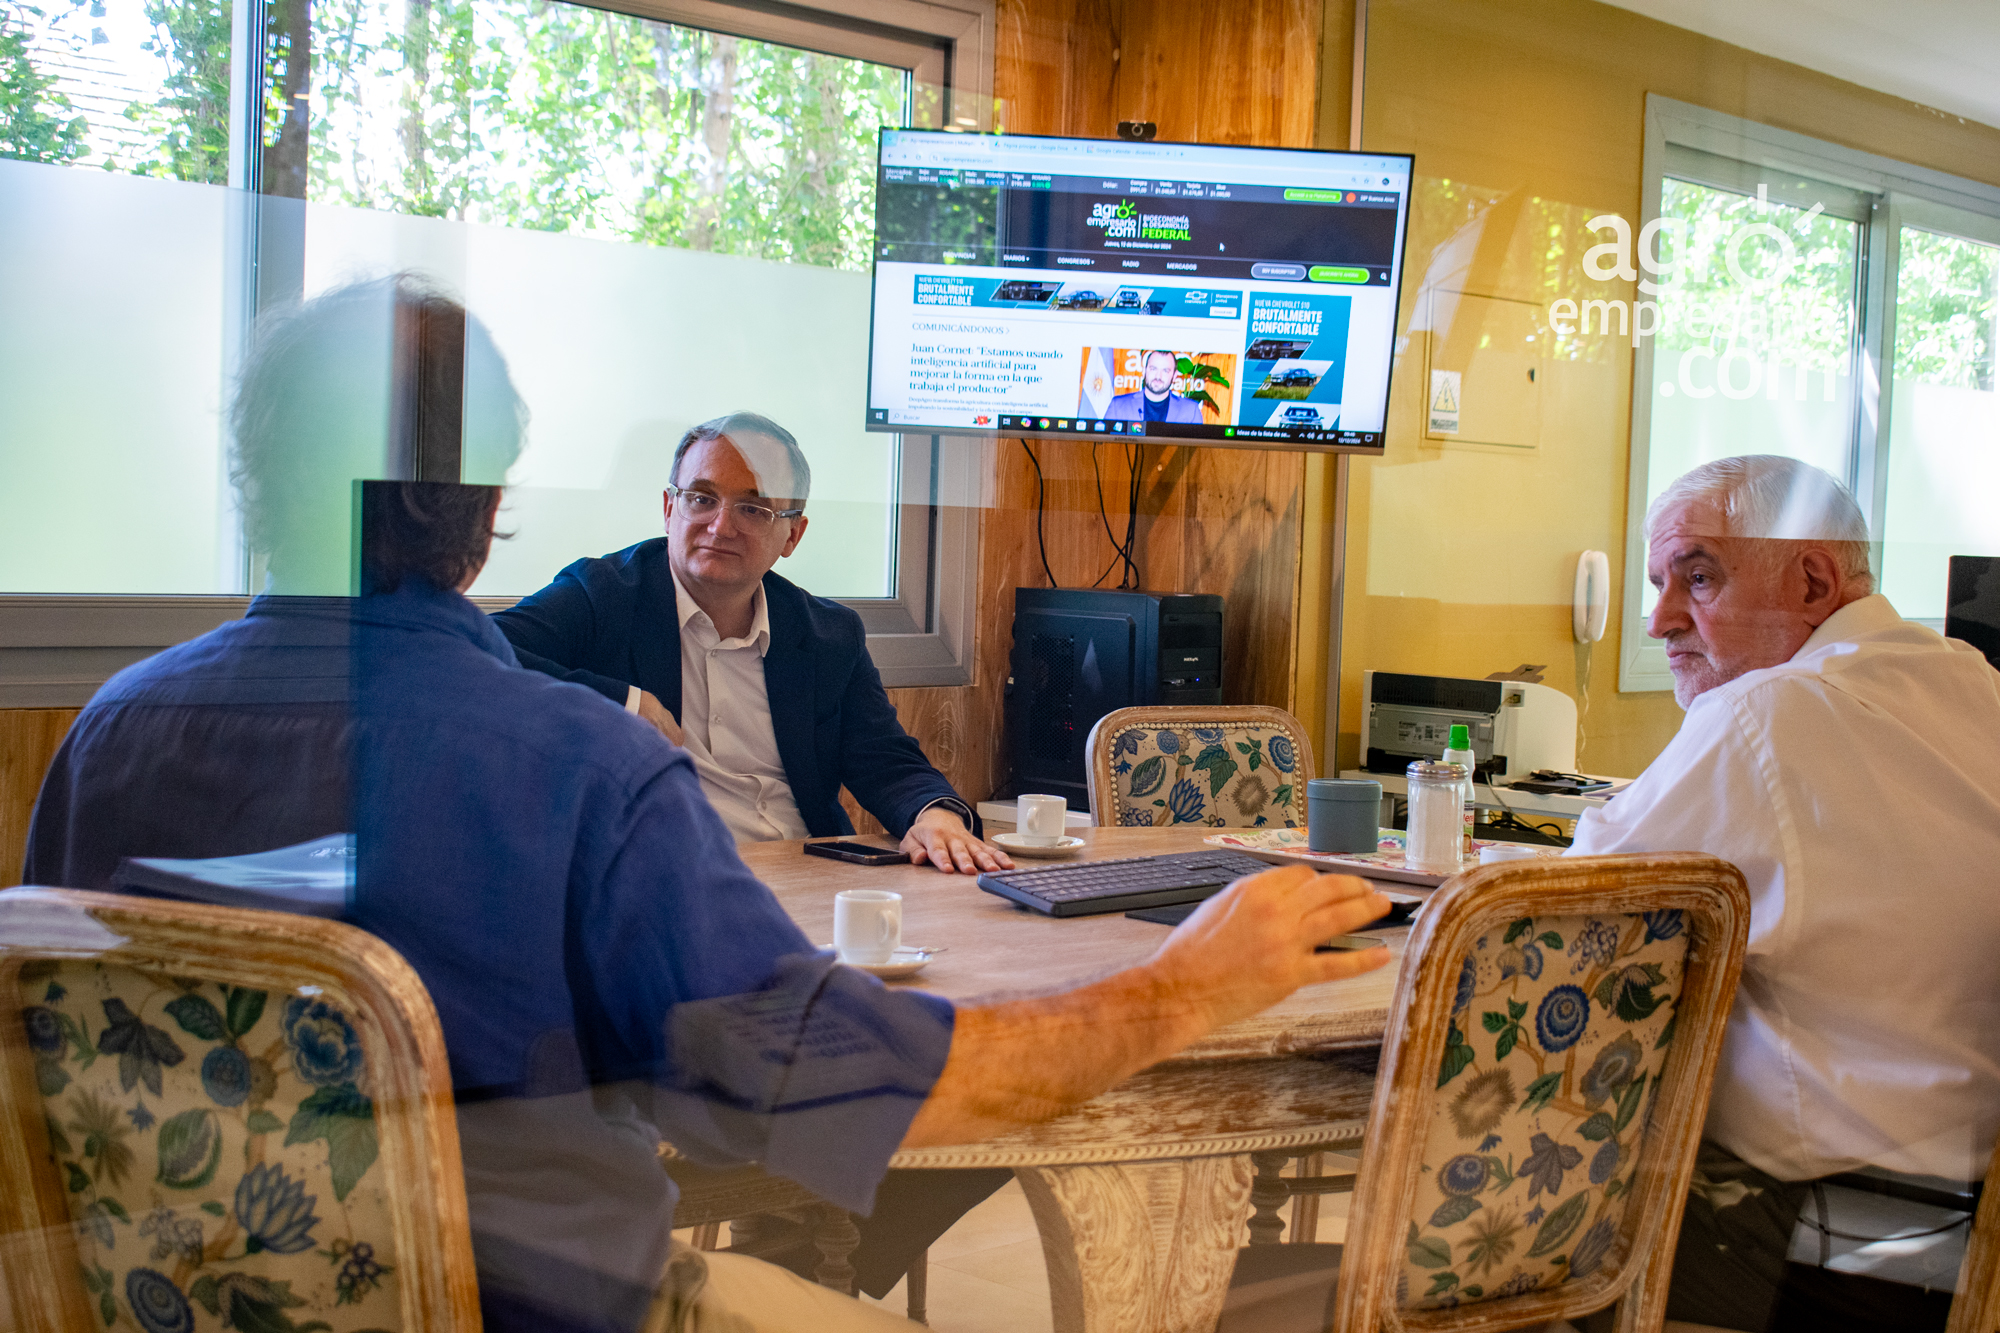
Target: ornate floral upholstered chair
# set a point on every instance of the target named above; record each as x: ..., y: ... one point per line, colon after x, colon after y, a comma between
x: 1540, y: 1097
x: 219, y: 1118
x: 1231, y: 767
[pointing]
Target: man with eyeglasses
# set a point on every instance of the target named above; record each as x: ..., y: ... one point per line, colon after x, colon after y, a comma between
x: 770, y: 689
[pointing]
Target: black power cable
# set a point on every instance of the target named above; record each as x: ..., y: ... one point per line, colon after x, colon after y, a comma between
x: 1040, y: 490
x: 1138, y: 459
x: 1118, y: 553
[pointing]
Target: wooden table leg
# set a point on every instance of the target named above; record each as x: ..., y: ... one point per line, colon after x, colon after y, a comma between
x: 1267, y: 1196
x: 743, y: 1230
x: 835, y: 1235
x: 1305, y: 1207
x: 1142, y: 1247
x: 918, y: 1290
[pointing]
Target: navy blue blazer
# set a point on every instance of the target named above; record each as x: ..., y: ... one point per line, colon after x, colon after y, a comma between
x: 611, y: 623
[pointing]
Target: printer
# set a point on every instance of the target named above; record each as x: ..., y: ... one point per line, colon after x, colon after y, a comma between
x: 1516, y: 728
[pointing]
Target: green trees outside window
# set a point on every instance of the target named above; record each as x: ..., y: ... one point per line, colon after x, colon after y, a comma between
x: 518, y: 113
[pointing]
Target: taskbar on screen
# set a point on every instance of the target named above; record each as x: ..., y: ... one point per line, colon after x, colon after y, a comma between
x: 1175, y: 430
x: 1162, y: 431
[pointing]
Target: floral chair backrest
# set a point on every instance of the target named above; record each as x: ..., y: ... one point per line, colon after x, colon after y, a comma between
x: 1560, y: 1032
x: 1221, y: 774
x: 217, y: 1144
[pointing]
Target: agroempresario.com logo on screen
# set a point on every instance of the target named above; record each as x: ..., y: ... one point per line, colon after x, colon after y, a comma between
x: 1124, y: 221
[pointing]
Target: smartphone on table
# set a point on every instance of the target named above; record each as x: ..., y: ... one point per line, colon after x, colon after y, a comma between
x: 858, y: 853
x: 1349, y: 944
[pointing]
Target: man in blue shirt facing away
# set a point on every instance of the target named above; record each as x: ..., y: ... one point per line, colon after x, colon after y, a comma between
x: 606, y: 971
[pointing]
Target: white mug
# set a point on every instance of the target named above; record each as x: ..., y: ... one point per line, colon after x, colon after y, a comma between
x: 1493, y: 856
x: 867, y: 924
x: 1040, y: 820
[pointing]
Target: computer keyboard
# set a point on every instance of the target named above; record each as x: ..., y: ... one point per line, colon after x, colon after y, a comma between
x: 1089, y: 887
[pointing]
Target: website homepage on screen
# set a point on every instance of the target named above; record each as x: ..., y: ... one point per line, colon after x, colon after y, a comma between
x: 1115, y: 289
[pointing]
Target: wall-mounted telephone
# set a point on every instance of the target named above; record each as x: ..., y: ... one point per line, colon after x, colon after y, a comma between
x: 1591, y: 604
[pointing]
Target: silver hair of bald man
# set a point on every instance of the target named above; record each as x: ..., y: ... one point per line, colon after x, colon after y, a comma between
x: 1769, y: 496
x: 738, y: 424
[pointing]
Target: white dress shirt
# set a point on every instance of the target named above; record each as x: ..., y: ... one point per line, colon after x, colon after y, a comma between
x: 726, y: 724
x: 1857, y: 787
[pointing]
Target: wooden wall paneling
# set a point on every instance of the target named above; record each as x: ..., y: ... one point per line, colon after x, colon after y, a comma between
x: 1213, y: 73
x: 1323, y: 550
x: 1242, y: 540
x: 1054, y: 61
x: 1210, y: 520
x: 29, y: 738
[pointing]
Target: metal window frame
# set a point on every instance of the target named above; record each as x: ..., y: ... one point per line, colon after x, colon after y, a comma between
x: 1882, y: 194
x: 945, y: 44
x: 57, y: 649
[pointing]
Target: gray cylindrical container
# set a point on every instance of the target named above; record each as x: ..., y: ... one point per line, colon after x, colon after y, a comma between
x: 1343, y: 814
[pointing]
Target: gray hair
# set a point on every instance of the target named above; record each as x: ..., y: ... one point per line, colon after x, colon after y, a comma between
x: 1773, y: 497
x: 381, y: 379
x: 727, y: 427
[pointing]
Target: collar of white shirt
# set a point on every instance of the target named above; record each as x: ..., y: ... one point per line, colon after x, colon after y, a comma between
x: 690, y: 613
x: 1869, y: 615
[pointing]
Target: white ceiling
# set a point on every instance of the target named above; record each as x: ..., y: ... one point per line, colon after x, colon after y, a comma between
x: 1942, y: 53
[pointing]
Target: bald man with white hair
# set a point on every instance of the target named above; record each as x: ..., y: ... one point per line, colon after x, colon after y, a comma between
x: 1847, y: 761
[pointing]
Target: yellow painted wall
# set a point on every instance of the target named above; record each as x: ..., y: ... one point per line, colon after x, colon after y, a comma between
x: 1526, y: 117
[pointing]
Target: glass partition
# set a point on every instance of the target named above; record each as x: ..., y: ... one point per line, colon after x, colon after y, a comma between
x: 1631, y: 248
x: 1638, y: 246
x: 659, y: 224
x: 1626, y: 259
x: 1944, y: 416
x: 118, y: 339
x: 112, y: 380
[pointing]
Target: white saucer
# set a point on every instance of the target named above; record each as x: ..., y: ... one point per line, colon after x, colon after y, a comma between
x: 902, y: 963
x: 1020, y: 846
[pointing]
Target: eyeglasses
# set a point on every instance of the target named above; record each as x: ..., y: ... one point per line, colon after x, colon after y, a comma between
x: 702, y: 506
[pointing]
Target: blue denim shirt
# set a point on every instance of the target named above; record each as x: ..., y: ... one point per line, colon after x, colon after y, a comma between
x: 606, y: 969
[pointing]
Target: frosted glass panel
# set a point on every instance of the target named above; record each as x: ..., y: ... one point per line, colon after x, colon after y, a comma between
x: 1751, y: 359
x: 617, y: 349
x: 1944, y: 440
x: 613, y: 211
x: 111, y: 384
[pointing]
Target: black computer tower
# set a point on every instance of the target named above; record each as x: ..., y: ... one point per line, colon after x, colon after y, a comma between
x: 1080, y: 653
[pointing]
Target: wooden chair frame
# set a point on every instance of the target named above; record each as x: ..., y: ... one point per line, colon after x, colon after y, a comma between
x: 1716, y: 907
x: 1097, y: 749
x: 1975, y: 1306
x: 392, y: 1014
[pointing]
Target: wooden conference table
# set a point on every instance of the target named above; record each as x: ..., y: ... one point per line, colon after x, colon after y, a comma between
x: 1142, y: 1195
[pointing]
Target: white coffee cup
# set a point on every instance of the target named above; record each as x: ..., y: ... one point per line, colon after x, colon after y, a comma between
x: 867, y: 924
x: 1493, y: 856
x: 1040, y: 820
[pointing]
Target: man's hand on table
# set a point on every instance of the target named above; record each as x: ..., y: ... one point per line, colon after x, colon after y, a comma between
x: 1248, y: 947
x: 941, y: 838
x: 653, y: 711
x: 1255, y: 943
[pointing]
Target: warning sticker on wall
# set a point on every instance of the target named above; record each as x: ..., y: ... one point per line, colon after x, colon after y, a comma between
x: 1444, y: 402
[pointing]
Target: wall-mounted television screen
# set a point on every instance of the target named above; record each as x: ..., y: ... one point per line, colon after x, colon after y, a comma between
x: 1183, y: 292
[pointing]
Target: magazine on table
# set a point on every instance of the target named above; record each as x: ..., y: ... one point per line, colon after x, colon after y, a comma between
x: 315, y: 878
x: 1288, y: 846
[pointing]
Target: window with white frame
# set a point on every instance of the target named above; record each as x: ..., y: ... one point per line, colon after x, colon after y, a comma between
x: 1825, y: 304
x: 663, y: 215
